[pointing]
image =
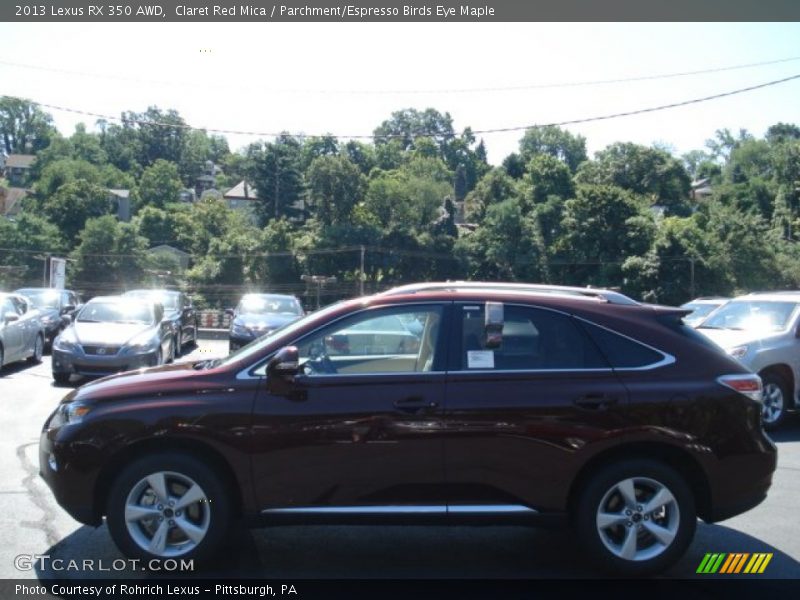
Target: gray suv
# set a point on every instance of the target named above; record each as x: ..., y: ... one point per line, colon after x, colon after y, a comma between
x: 763, y: 331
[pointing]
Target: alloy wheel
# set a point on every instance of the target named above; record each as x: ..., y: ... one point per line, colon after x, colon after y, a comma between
x: 638, y: 519
x: 773, y: 402
x: 167, y: 514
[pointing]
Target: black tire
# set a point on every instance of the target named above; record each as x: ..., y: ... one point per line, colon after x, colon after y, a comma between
x: 38, y: 351
x: 774, y: 382
x: 179, y: 465
x: 679, y: 516
x: 61, y: 378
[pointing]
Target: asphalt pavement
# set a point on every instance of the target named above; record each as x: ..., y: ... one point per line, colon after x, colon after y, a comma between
x: 31, y: 523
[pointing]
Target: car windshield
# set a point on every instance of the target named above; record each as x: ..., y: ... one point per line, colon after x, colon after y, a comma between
x: 699, y: 310
x: 752, y: 315
x: 268, y: 305
x: 116, y: 312
x: 42, y: 298
x: 169, y: 300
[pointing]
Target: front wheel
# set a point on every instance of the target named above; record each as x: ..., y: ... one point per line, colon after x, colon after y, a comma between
x: 775, y: 395
x: 636, y: 517
x: 168, y: 506
x: 38, y: 350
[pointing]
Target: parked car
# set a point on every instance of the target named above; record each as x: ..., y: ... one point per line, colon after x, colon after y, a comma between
x: 516, y: 406
x: 257, y: 315
x: 56, y: 308
x: 112, y: 334
x: 701, y: 308
x: 763, y: 332
x: 21, y: 331
x: 178, y: 309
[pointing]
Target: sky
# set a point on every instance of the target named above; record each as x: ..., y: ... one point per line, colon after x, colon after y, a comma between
x: 346, y: 78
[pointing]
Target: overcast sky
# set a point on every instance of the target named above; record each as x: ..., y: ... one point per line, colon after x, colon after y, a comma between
x: 301, y: 77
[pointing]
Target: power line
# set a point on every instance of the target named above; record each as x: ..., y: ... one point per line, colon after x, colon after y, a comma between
x: 617, y: 115
x: 478, y: 90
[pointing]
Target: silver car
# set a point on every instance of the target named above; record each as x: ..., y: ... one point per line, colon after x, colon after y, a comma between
x: 21, y: 331
x: 763, y: 331
x: 112, y: 334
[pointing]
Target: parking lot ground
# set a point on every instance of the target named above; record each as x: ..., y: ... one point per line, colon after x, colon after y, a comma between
x: 32, y: 523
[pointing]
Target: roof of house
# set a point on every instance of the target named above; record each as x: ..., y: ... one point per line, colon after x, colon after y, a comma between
x: 11, y: 204
x: 168, y: 248
x: 241, y: 191
x: 121, y: 193
x: 20, y: 161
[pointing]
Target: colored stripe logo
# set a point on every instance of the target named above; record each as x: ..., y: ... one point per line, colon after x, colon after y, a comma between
x: 733, y: 563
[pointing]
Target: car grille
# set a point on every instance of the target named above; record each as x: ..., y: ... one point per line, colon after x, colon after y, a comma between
x: 100, y: 350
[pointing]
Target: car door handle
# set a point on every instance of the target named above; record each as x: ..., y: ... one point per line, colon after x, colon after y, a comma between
x: 414, y: 403
x: 596, y: 401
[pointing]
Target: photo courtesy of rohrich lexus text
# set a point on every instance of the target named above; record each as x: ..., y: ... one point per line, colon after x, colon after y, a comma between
x: 306, y: 300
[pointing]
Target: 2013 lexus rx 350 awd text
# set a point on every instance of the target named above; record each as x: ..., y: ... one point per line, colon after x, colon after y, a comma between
x: 513, y: 403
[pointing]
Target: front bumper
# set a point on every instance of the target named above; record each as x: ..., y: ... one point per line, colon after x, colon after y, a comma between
x: 72, y: 487
x: 100, y: 366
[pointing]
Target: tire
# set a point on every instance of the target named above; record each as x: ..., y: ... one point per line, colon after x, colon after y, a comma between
x: 61, y: 378
x: 196, y: 530
x: 38, y: 350
x: 776, y: 397
x: 659, y: 537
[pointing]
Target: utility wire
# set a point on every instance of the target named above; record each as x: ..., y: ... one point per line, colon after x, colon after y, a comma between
x: 629, y: 113
x: 509, y: 88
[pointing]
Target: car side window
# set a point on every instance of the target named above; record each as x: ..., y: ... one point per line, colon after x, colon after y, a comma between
x: 533, y: 339
x: 623, y: 352
x: 380, y: 341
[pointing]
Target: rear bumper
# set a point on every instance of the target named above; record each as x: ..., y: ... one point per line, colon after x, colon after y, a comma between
x: 740, y: 483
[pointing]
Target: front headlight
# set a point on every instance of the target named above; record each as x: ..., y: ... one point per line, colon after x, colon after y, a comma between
x: 74, y: 412
x: 239, y: 329
x: 738, y: 351
x: 142, y: 347
x: 65, y: 342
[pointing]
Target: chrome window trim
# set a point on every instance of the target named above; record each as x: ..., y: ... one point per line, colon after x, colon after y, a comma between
x: 246, y: 375
x: 667, y: 359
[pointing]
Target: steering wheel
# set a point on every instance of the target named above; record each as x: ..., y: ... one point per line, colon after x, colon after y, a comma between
x: 319, y: 362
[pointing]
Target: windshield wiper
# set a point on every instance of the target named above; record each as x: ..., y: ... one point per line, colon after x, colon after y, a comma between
x: 88, y: 321
x: 207, y: 364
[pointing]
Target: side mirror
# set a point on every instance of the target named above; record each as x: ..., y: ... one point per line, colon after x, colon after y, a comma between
x: 281, y: 371
x: 10, y: 319
x: 67, y: 319
x: 493, y: 328
x: 229, y: 311
x: 69, y: 308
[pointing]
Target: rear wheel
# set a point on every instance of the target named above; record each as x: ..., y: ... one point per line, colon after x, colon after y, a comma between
x: 636, y: 517
x: 168, y: 506
x: 775, y: 396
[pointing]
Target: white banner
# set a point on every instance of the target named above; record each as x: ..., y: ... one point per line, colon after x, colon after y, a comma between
x: 58, y: 272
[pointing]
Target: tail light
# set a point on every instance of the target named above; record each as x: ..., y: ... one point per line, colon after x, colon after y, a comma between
x: 748, y: 384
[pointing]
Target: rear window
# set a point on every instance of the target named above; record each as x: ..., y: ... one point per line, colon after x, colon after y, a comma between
x: 622, y: 352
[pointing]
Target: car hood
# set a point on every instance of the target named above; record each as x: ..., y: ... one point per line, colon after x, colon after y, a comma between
x: 730, y: 338
x: 265, y: 321
x: 149, y: 383
x: 107, y: 334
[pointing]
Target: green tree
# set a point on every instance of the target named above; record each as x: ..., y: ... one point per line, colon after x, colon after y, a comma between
x: 495, y: 187
x: 649, y: 172
x: 109, y: 257
x: 554, y: 141
x: 24, y: 127
x: 159, y: 185
x: 275, y: 173
x: 546, y: 176
x: 23, y: 239
x: 73, y: 204
x: 335, y: 186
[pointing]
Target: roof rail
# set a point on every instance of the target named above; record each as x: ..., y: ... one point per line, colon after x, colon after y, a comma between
x: 609, y: 296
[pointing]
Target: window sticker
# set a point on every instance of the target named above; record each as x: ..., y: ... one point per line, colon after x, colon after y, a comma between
x: 480, y: 359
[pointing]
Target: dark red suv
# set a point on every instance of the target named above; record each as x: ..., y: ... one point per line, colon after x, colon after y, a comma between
x: 461, y: 401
